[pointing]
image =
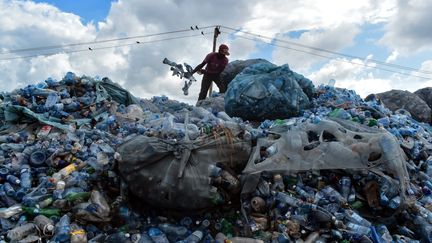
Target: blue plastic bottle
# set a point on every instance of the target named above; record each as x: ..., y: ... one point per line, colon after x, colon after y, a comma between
x: 157, y: 235
x: 62, y: 229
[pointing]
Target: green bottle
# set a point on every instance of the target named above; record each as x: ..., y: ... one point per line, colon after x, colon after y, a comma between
x: 226, y: 227
x: 78, y: 196
x: 335, y: 113
x: 372, y: 122
x: 43, y: 211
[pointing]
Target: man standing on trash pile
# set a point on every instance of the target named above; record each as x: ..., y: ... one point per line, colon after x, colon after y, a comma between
x: 216, y: 62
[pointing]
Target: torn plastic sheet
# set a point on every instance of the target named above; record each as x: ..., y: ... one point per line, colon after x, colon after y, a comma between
x: 331, y: 145
x: 15, y: 113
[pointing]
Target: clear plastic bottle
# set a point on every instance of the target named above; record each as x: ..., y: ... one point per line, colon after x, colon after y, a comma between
x: 157, y: 235
x: 26, y: 179
x: 354, y: 217
x: 358, y: 229
x: 22, y: 231
x: 394, y: 202
x: 195, y: 237
x: 287, y: 199
x: 345, y: 186
x: 174, y: 230
x: 332, y: 195
x: 11, y: 211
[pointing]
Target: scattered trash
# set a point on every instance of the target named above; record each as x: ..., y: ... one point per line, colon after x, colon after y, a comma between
x: 178, y: 70
x: 82, y: 160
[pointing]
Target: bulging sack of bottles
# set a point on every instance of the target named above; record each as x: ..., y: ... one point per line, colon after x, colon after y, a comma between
x: 266, y: 91
x: 183, y: 175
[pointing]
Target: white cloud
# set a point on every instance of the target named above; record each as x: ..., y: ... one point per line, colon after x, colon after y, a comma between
x: 408, y: 30
x: 302, y: 58
x: 331, y: 25
x: 352, y: 74
x: 393, y: 56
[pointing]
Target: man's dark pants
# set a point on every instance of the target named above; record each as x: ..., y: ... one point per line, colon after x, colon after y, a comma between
x: 206, y: 82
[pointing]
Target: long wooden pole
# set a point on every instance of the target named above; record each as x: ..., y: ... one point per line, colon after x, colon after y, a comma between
x: 215, y: 35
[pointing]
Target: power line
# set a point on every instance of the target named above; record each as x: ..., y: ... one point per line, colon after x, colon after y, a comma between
x: 331, y: 52
x: 90, y: 49
x: 41, y: 48
x: 328, y: 57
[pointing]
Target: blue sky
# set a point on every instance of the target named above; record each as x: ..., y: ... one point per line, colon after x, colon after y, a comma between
x: 88, y: 10
x: 390, y: 31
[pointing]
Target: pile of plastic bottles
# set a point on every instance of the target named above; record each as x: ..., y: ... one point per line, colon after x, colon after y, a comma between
x: 59, y: 180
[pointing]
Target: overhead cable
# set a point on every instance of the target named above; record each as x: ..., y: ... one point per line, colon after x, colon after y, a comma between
x: 41, y: 48
x: 328, y: 51
x: 89, y: 49
x: 328, y: 57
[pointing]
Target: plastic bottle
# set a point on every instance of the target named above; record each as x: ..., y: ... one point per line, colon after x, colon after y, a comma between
x: 394, y: 202
x: 271, y: 150
x: 45, y: 225
x: 22, y: 231
x: 11, y: 211
x: 13, y: 179
x: 345, y: 186
x: 304, y: 194
x: 58, y: 192
x: 278, y: 184
x: 77, y: 196
x: 64, y: 172
x: 77, y: 234
x: 195, y: 237
x: 424, y: 229
x: 332, y: 195
x: 51, y: 100
x: 26, y: 180
x: 4, y: 172
x: 214, y: 171
x: 173, y: 230
x: 358, y: 229
x: 71, y: 190
x: 383, y: 233
x: 10, y: 191
x: 44, y: 203
x: 352, y: 195
x: 49, y: 212
x: 62, y: 230
x: 8, y: 201
x: 354, y: 217
x: 157, y: 235
x: 32, y: 201
x: 141, y: 238
x: 287, y: 199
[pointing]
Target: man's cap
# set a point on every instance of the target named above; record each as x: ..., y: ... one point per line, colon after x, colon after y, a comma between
x: 224, y: 49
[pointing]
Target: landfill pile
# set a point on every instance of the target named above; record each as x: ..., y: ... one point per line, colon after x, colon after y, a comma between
x: 64, y: 147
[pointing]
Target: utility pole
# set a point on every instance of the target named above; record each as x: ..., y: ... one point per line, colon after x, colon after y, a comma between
x: 215, y: 35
